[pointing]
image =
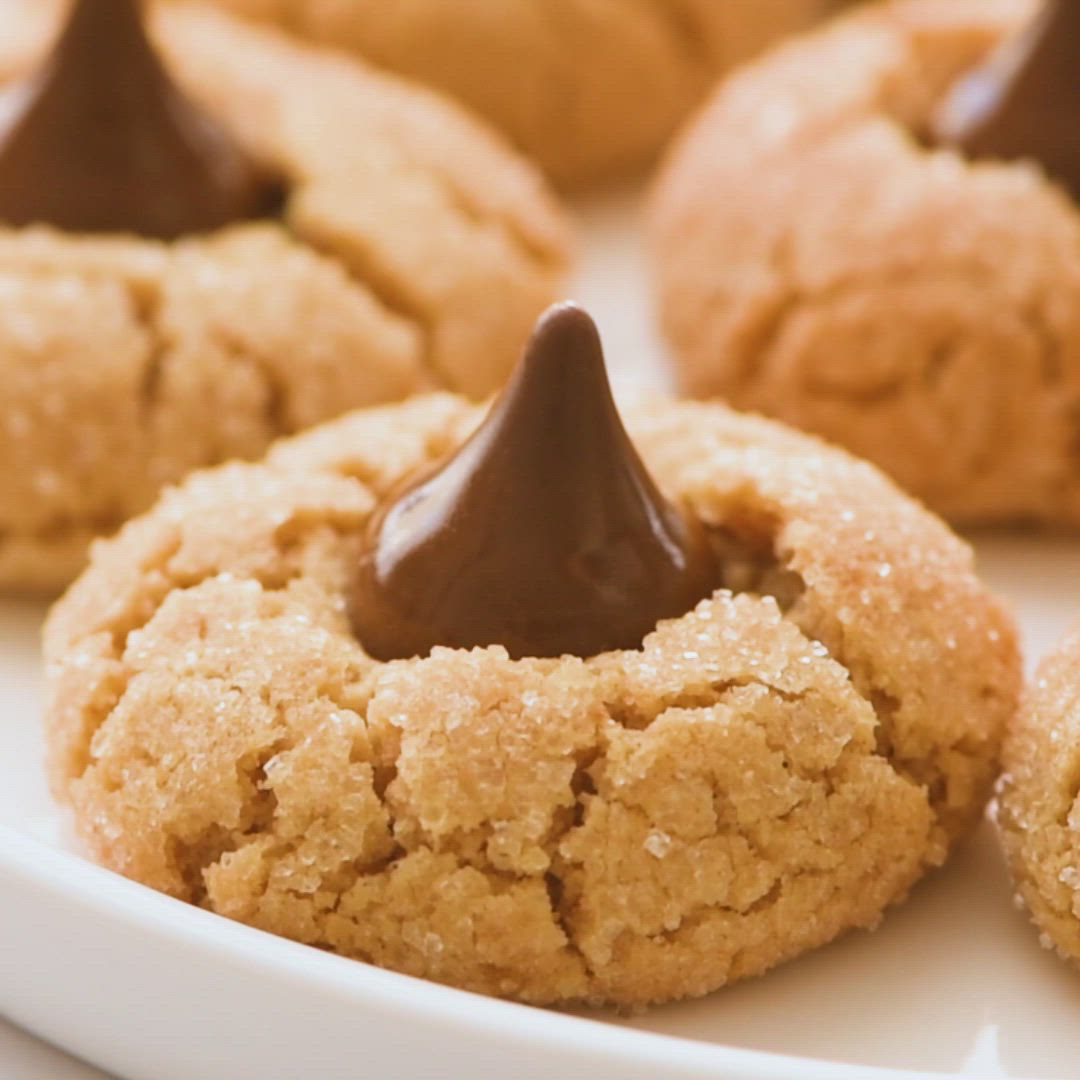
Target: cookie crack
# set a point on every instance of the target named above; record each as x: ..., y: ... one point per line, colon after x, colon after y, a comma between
x: 765, y: 561
x: 530, y: 251
x: 145, y: 303
x: 554, y: 881
x: 122, y: 631
x: 884, y: 707
x: 391, y: 294
x: 276, y: 406
x: 584, y: 790
x: 259, y: 811
x: 760, y: 357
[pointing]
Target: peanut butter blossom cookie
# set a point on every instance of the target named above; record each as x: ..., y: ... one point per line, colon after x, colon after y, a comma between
x: 874, y: 235
x: 498, y: 702
x: 217, y: 236
x: 1039, y: 805
x: 590, y: 88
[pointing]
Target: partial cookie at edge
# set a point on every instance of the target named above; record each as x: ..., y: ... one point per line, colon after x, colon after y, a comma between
x: 1038, y: 810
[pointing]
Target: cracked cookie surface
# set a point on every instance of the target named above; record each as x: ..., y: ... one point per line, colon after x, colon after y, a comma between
x: 1038, y: 811
x: 562, y: 78
x: 818, y: 262
x: 413, y: 252
x: 769, y: 770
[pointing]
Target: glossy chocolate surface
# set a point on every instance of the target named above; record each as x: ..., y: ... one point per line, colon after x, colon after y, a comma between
x: 99, y: 139
x: 543, y: 533
x: 1024, y: 102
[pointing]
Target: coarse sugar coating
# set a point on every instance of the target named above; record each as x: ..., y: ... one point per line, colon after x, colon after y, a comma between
x: 562, y: 78
x: 413, y: 252
x: 769, y: 770
x: 816, y: 260
x: 1038, y: 810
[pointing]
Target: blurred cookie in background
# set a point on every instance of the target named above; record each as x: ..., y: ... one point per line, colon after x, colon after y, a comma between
x: 212, y: 235
x: 589, y: 88
x: 829, y: 254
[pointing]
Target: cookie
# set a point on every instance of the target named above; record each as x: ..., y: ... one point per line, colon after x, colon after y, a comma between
x: 412, y: 252
x: 768, y: 770
x: 562, y: 78
x: 1038, y: 811
x: 818, y: 261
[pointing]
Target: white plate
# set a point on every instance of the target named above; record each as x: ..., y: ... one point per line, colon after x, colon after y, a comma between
x: 954, y: 982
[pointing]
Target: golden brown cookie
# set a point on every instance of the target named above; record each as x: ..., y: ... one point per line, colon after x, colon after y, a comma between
x: 590, y: 88
x: 767, y: 771
x: 413, y: 252
x: 818, y: 262
x: 1039, y: 802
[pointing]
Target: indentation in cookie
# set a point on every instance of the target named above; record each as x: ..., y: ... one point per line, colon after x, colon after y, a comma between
x: 542, y: 533
x: 750, y: 563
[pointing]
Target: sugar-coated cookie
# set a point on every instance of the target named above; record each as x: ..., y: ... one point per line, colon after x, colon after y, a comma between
x: 412, y: 252
x: 1039, y: 803
x: 590, y: 88
x: 818, y: 260
x: 770, y: 769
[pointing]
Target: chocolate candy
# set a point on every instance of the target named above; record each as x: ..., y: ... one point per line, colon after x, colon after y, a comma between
x: 1023, y: 102
x: 543, y: 533
x: 99, y: 139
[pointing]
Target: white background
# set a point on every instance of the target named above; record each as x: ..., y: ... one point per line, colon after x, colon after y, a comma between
x: 24, y: 1058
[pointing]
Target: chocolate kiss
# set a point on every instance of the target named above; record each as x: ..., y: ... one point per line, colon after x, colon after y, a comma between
x: 1024, y: 102
x: 99, y: 139
x: 543, y: 533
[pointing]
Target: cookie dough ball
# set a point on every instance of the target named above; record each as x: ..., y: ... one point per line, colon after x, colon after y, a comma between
x: 412, y: 252
x: 1039, y: 807
x: 771, y: 769
x: 590, y: 88
x: 817, y: 262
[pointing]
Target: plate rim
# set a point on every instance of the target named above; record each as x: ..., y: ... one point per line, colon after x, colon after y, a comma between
x: 83, y: 886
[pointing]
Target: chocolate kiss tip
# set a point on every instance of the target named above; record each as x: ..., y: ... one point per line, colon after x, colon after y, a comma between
x: 1022, y: 102
x: 564, y: 350
x: 98, y: 139
x: 543, y: 533
x: 565, y: 332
